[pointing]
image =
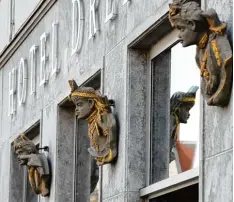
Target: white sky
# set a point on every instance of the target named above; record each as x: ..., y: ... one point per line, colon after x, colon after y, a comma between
x: 184, y: 74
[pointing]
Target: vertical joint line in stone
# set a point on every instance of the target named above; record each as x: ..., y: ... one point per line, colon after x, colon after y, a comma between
x: 24, y: 184
x: 74, y: 198
x: 41, y: 128
x: 103, y: 75
x: 101, y: 167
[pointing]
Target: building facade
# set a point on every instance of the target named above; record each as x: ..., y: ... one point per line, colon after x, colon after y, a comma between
x: 129, y: 51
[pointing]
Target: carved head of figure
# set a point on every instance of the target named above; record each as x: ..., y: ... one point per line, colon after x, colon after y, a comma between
x: 181, y: 103
x: 193, y: 23
x: 95, y: 108
x: 87, y: 101
x: 24, y: 147
x: 84, y: 105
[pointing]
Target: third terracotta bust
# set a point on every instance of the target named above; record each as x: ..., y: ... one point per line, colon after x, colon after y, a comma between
x: 214, y: 53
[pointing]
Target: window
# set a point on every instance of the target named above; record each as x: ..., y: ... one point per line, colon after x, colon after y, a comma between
x: 179, y: 188
x: 72, y: 152
x: 184, y: 74
x: 187, y: 194
x: 171, y: 68
x: 20, y: 187
x: 30, y: 196
x: 94, y: 82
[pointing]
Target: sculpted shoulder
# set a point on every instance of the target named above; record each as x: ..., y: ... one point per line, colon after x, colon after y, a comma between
x: 224, y: 47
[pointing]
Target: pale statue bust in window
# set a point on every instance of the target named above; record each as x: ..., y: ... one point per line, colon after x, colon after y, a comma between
x: 214, y: 53
x: 180, y: 105
x: 37, y: 164
x: 95, y: 108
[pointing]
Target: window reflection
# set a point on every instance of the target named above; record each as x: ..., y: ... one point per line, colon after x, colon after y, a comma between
x: 184, y: 74
x: 94, y: 181
x: 94, y: 194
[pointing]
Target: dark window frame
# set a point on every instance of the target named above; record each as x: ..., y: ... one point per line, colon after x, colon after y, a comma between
x: 33, y: 133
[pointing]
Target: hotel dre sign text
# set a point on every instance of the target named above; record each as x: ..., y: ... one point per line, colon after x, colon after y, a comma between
x: 19, y: 78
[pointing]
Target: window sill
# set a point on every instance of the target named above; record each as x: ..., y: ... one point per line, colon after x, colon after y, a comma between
x: 171, y: 184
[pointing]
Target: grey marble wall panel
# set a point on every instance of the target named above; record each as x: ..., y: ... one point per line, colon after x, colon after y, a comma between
x: 4, y: 171
x: 132, y: 196
x: 114, y: 175
x: 218, y: 129
x: 128, y: 174
x: 48, y: 138
x: 116, y: 198
x: 218, y: 179
x: 6, y: 120
x: 115, y: 31
x: 139, y: 10
x: 160, y: 110
x: 136, y: 120
x: 217, y: 156
x: 17, y: 179
x: 64, y: 155
x: 82, y: 163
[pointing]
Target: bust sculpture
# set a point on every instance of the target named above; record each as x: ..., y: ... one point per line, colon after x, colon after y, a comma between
x: 95, y: 108
x: 180, y: 105
x: 213, y: 55
x: 37, y: 164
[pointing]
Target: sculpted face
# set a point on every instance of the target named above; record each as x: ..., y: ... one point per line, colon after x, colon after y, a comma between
x: 187, y: 36
x: 22, y: 155
x: 183, y: 113
x: 84, y: 107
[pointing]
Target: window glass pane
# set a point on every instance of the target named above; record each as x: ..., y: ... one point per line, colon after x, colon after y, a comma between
x: 172, y: 71
x: 184, y: 74
x: 94, y: 194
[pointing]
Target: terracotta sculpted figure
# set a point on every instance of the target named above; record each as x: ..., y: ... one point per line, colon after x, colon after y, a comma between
x: 95, y: 108
x: 37, y: 164
x: 214, y: 54
x: 180, y: 104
